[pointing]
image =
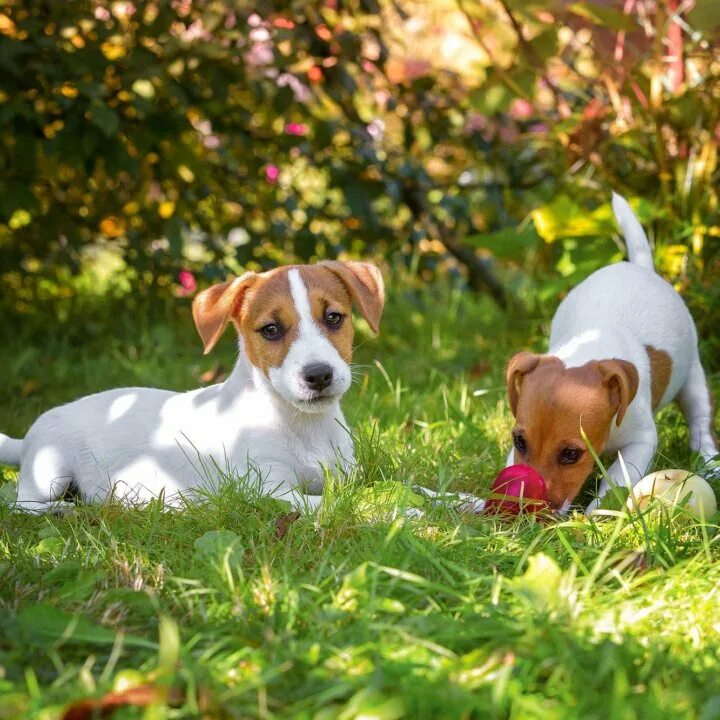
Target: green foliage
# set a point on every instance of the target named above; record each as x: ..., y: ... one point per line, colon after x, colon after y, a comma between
x: 216, y: 136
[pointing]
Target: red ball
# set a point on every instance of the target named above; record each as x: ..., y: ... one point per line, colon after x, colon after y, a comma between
x: 517, y: 489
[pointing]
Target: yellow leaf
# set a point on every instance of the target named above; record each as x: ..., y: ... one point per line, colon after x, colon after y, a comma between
x: 112, y: 226
x: 7, y: 26
x: 20, y: 218
x: 544, y: 224
x: 113, y: 50
x: 185, y: 173
x: 68, y: 90
x: 144, y: 88
x: 670, y: 259
x: 166, y: 209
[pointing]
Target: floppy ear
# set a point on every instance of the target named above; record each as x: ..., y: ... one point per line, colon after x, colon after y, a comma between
x: 622, y: 380
x: 212, y: 308
x: 365, y: 284
x: 519, y: 365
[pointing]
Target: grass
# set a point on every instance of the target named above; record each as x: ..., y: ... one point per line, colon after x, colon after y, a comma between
x: 229, y: 610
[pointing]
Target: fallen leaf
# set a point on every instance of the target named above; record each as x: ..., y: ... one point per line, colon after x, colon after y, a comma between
x: 108, y: 704
x: 283, y: 523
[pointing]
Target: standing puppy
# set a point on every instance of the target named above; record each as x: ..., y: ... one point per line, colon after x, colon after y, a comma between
x: 622, y: 346
x: 278, y: 414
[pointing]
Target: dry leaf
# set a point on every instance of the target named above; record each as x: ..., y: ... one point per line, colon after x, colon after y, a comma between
x: 283, y: 523
x: 104, y: 707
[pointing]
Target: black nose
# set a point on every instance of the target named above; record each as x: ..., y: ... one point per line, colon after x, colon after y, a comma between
x: 317, y: 377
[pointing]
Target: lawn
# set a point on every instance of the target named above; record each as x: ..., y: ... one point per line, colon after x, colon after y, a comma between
x: 230, y: 610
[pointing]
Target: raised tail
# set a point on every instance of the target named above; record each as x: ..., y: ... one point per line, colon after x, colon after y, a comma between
x: 10, y: 450
x: 636, y: 241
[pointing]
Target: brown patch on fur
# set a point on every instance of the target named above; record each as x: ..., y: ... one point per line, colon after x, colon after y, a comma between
x: 660, y: 372
x: 268, y: 301
x: 327, y: 294
x: 365, y: 284
x: 214, y: 307
x: 551, y: 402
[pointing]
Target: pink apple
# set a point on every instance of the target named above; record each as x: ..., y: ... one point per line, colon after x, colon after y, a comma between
x: 517, y: 489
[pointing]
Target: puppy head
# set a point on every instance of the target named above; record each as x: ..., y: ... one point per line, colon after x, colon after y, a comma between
x: 295, y: 324
x: 550, y: 402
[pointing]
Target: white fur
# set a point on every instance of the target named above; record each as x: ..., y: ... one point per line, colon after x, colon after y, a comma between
x: 141, y: 443
x: 615, y: 313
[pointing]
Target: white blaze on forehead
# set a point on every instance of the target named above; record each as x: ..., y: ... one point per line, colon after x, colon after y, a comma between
x: 301, y: 299
x: 309, y: 346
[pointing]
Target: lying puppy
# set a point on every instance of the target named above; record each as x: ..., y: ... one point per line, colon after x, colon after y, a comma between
x: 622, y: 345
x: 278, y: 414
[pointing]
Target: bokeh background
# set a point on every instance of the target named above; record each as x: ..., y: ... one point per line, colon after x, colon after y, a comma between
x: 148, y: 148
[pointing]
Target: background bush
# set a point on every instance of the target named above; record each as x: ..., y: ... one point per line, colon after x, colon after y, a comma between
x: 478, y: 137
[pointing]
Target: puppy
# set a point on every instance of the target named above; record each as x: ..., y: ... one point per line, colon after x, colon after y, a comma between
x: 622, y: 346
x: 277, y: 415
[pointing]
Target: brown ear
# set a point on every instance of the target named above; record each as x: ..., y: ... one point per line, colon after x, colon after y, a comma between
x: 212, y: 308
x: 365, y: 284
x: 519, y: 365
x: 622, y: 380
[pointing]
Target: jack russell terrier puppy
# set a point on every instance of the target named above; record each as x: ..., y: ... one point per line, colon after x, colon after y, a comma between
x: 622, y: 346
x: 277, y: 415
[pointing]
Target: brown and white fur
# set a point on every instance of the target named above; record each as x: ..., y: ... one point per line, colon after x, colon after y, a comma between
x: 276, y: 417
x: 622, y: 346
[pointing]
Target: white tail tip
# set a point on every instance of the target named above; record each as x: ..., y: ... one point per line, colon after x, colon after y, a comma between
x: 636, y: 241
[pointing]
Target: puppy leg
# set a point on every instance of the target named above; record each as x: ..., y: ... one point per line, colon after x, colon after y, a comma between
x: 285, y: 486
x: 637, y: 457
x: 44, y: 477
x: 696, y: 405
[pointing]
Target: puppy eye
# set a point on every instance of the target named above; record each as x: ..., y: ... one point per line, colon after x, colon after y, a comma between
x: 520, y: 444
x: 570, y: 455
x: 271, y: 331
x: 333, y: 319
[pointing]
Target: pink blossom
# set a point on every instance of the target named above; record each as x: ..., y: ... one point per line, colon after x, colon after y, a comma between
x: 521, y: 109
x: 508, y: 134
x: 123, y: 9
x: 102, y: 14
x: 272, y: 172
x: 260, y: 54
x: 300, y: 91
x: 538, y: 128
x: 194, y: 31
x: 376, y: 129
x: 188, y: 284
x: 298, y: 129
x: 475, y: 122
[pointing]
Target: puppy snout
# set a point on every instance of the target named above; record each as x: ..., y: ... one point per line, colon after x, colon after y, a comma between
x: 317, y: 376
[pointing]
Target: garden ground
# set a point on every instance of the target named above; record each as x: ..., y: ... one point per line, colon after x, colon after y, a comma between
x: 231, y: 609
